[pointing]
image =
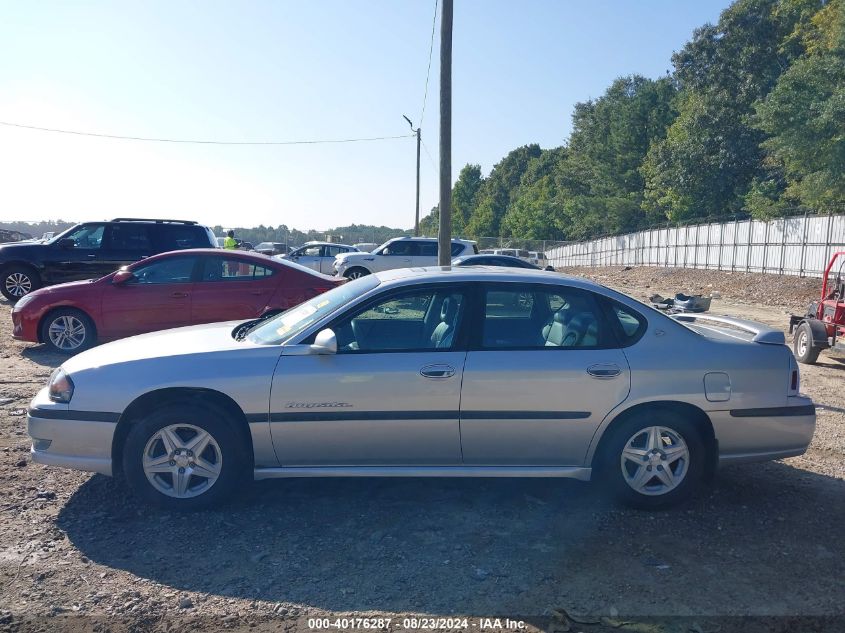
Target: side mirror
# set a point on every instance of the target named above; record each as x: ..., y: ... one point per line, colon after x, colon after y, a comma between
x: 121, y: 277
x: 325, y: 343
x: 67, y: 242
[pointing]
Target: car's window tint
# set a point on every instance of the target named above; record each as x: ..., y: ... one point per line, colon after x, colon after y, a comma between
x: 89, y: 236
x: 172, y: 270
x: 508, y: 304
x: 312, y: 251
x: 332, y: 251
x: 428, y: 249
x: 457, y: 249
x: 403, y: 248
x: 425, y: 319
x: 540, y: 318
x: 231, y: 269
x: 631, y: 323
x: 130, y: 237
x: 171, y: 237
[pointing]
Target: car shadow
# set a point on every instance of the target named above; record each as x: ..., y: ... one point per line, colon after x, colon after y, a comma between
x: 765, y: 539
x: 41, y: 355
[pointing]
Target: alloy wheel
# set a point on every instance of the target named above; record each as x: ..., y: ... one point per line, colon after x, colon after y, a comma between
x: 355, y: 274
x: 18, y: 284
x: 67, y: 333
x: 655, y: 460
x: 182, y: 461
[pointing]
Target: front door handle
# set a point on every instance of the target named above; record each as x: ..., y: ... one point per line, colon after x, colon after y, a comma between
x: 92, y: 255
x: 178, y: 295
x: 604, y: 370
x: 437, y: 371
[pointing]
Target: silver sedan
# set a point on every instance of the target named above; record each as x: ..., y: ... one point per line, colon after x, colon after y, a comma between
x: 431, y: 372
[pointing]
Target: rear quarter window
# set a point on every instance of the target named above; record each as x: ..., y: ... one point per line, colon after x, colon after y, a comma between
x: 630, y: 325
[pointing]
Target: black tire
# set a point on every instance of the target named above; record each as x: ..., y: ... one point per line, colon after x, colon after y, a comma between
x: 802, y: 345
x: 356, y: 272
x: 230, y: 450
x: 16, y: 281
x: 611, y: 461
x: 80, y: 331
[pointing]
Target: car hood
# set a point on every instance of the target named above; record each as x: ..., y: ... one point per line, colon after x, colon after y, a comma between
x: 355, y: 257
x: 193, y: 339
x: 70, y: 286
x: 13, y: 250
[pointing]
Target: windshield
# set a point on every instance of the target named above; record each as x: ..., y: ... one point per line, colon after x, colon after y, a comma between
x: 289, y: 324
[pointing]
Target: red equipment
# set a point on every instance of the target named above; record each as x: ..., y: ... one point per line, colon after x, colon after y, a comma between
x: 823, y: 325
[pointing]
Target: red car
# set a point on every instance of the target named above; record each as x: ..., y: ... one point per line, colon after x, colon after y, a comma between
x: 165, y: 291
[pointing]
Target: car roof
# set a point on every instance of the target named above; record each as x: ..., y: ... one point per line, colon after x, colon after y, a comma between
x: 428, y: 239
x: 318, y: 243
x: 478, y: 273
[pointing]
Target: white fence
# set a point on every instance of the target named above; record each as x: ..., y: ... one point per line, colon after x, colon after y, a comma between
x: 799, y: 245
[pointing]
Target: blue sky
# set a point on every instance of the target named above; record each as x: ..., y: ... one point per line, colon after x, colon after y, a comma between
x: 294, y: 70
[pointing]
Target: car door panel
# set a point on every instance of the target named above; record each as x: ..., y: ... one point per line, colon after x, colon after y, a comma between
x: 130, y: 309
x: 536, y: 407
x: 366, y: 409
x: 221, y: 294
x: 543, y: 372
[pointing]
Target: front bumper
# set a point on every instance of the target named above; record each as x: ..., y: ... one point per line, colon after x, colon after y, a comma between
x: 24, y: 328
x: 755, y: 435
x: 61, y: 437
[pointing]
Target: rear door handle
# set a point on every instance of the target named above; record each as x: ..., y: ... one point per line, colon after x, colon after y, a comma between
x: 604, y: 371
x: 92, y: 255
x: 178, y: 295
x: 437, y: 371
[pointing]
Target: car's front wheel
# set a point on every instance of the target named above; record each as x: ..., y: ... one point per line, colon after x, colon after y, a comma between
x: 355, y: 273
x: 16, y: 281
x: 68, y: 331
x: 185, y: 457
x: 654, y: 460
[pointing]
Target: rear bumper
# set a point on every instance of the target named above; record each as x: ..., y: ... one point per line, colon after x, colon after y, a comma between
x: 754, y: 435
x: 61, y: 438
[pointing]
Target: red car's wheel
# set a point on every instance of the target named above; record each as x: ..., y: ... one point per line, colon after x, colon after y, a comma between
x: 68, y: 331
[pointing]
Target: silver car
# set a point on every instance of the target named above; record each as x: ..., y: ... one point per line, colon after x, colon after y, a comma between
x: 439, y: 372
x: 318, y: 256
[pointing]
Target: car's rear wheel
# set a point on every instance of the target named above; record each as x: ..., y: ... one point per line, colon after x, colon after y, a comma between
x: 803, y: 346
x: 16, y: 281
x: 68, y: 331
x: 184, y: 457
x: 355, y: 273
x: 654, y: 460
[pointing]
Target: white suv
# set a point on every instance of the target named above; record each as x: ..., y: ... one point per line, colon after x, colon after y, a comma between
x: 400, y: 252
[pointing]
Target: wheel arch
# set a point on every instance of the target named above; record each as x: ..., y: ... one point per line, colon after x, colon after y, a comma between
x: 145, y: 403
x: 64, y: 306
x: 11, y: 263
x: 819, y: 331
x: 357, y: 266
x: 689, y: 411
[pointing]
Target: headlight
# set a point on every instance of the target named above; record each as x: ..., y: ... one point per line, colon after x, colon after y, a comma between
x: 20, y: 303
x: 60, y: 386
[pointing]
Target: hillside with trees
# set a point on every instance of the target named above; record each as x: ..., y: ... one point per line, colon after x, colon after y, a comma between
x: 750, y: 122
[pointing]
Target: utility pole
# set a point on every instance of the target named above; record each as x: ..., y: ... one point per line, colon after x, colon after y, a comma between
x: 444, y: 240
x: 419, y: 138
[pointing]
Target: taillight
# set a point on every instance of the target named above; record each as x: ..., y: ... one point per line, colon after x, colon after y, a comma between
x: 794, y: 384
x: 794, y: 376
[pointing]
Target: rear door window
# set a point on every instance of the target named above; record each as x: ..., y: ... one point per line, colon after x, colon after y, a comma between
x: 172, y: 237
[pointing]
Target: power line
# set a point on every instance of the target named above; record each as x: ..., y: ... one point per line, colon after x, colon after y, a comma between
x: 430, y: 158
x: 428, y: 71
x: 199, y: 142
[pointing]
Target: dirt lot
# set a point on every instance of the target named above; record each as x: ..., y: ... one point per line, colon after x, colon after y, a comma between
x: 765, y: 540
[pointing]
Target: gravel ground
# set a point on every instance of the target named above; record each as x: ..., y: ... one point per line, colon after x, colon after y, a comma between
x: 77, y: 553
